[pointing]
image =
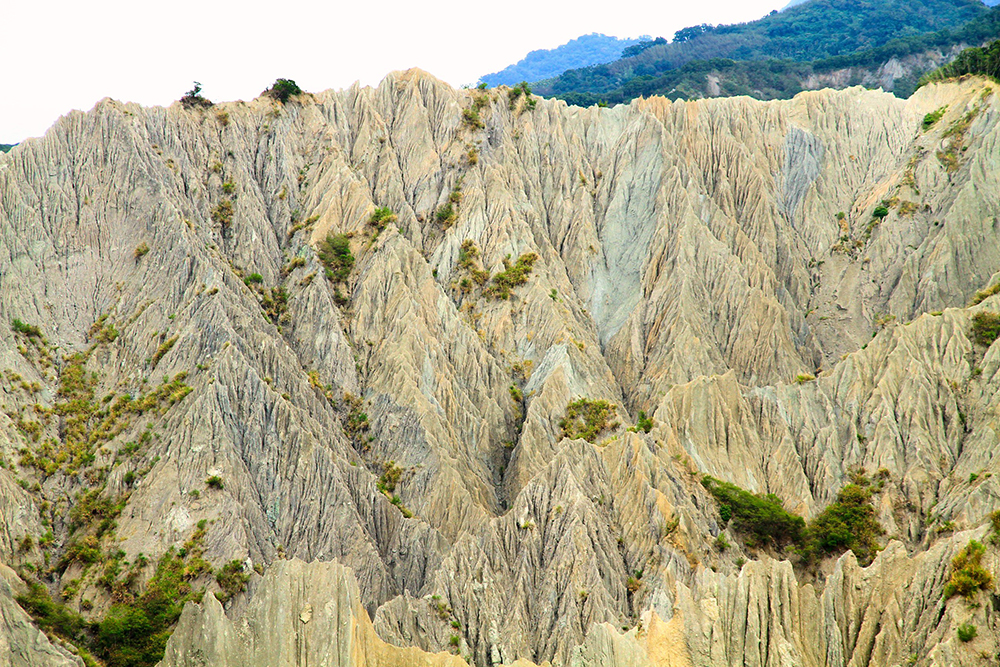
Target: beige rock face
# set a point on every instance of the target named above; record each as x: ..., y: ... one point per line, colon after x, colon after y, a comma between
x: 304, y: 614
x: 691, y: 264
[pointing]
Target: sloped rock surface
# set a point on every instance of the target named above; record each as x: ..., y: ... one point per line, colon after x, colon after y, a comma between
x: 700, y: 262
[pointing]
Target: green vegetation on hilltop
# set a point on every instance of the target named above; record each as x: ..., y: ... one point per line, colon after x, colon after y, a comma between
x: 772, y: 57
x: 6, y: 147
x: 984, y: 61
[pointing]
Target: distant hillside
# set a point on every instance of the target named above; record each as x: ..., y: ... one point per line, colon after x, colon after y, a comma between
x: 983, y: 61
x: 812, y: 38
x: 6, y: 147
x: 592, y: 49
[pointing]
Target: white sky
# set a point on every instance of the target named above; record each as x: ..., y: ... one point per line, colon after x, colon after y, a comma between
x: 63, y: 55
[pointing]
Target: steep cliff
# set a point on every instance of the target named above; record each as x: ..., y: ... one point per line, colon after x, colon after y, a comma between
x: 198, y: 376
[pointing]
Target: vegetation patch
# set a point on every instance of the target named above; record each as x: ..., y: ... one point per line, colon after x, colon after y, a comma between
x: 334, y: 253
x: 983, y: 294
x: 514, y: 275
x: 985, y: 327
x: 967, y: 632
x: 521, y: 90
x: 27, y: 330
x: 968, y: 576
x: 282, y: 90
x: 847, y: 523
x: 232, y: 579
x: 760, y: 519
x: 644, y: 423
x: 586, y: 418
x: 192, y: 99
x: 381, y: 217
x: 223, y: 213
x: 933, y: 117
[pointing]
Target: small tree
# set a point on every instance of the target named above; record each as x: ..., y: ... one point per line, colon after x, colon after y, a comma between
x: 880, y: 212
x: 283, y: 89
x: 193, y: 98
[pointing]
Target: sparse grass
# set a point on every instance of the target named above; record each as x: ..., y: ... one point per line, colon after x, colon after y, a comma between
x: 28, y: 330
x: 968, y: 576
x: 586, y: 418
x: 513, y: 275
x: 446, y: 215
x: 140, y: 251
x: 985, y: 293
x: 471, y: 119
x: 161, y: 351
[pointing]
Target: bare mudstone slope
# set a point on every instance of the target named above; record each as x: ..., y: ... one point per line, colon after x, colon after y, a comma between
x: 409, y: 371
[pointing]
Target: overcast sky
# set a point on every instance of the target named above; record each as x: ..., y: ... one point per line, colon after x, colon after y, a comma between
x: 58, y: 56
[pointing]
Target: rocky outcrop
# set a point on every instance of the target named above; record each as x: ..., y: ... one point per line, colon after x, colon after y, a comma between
x: 714, y: 264
x: 304, y: 614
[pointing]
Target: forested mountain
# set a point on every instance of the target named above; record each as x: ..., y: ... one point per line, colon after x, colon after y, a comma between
x: 592, y: 49
x: 821, y: 42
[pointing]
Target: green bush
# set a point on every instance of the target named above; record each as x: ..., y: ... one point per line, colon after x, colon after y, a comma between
x: 29, y: 330
x: 521, y: 90
x: 760, y: 519
x: 223, y: 213
x: 933, y: 117
x: 231, y: 579
x: 382, y: 216
x: 135, y: 634
x: 967, y: 632
x: 968, y: 576
x: 880, y: 212
x: 512, y: 276
x: 471, y: 118
x: 334, y: 253
x: 214, y: 482
x: 587, y: 419
x: 847, y: 523
x: 446, y: 215
x: 255, y: 278
x: 282, y: 90
x: 985, y: 327
x: 644, y: 424
x: 52, y: 616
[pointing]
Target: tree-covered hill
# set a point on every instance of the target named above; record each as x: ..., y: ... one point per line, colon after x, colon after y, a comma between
x: 816, y: 37
x: 592, y: 49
